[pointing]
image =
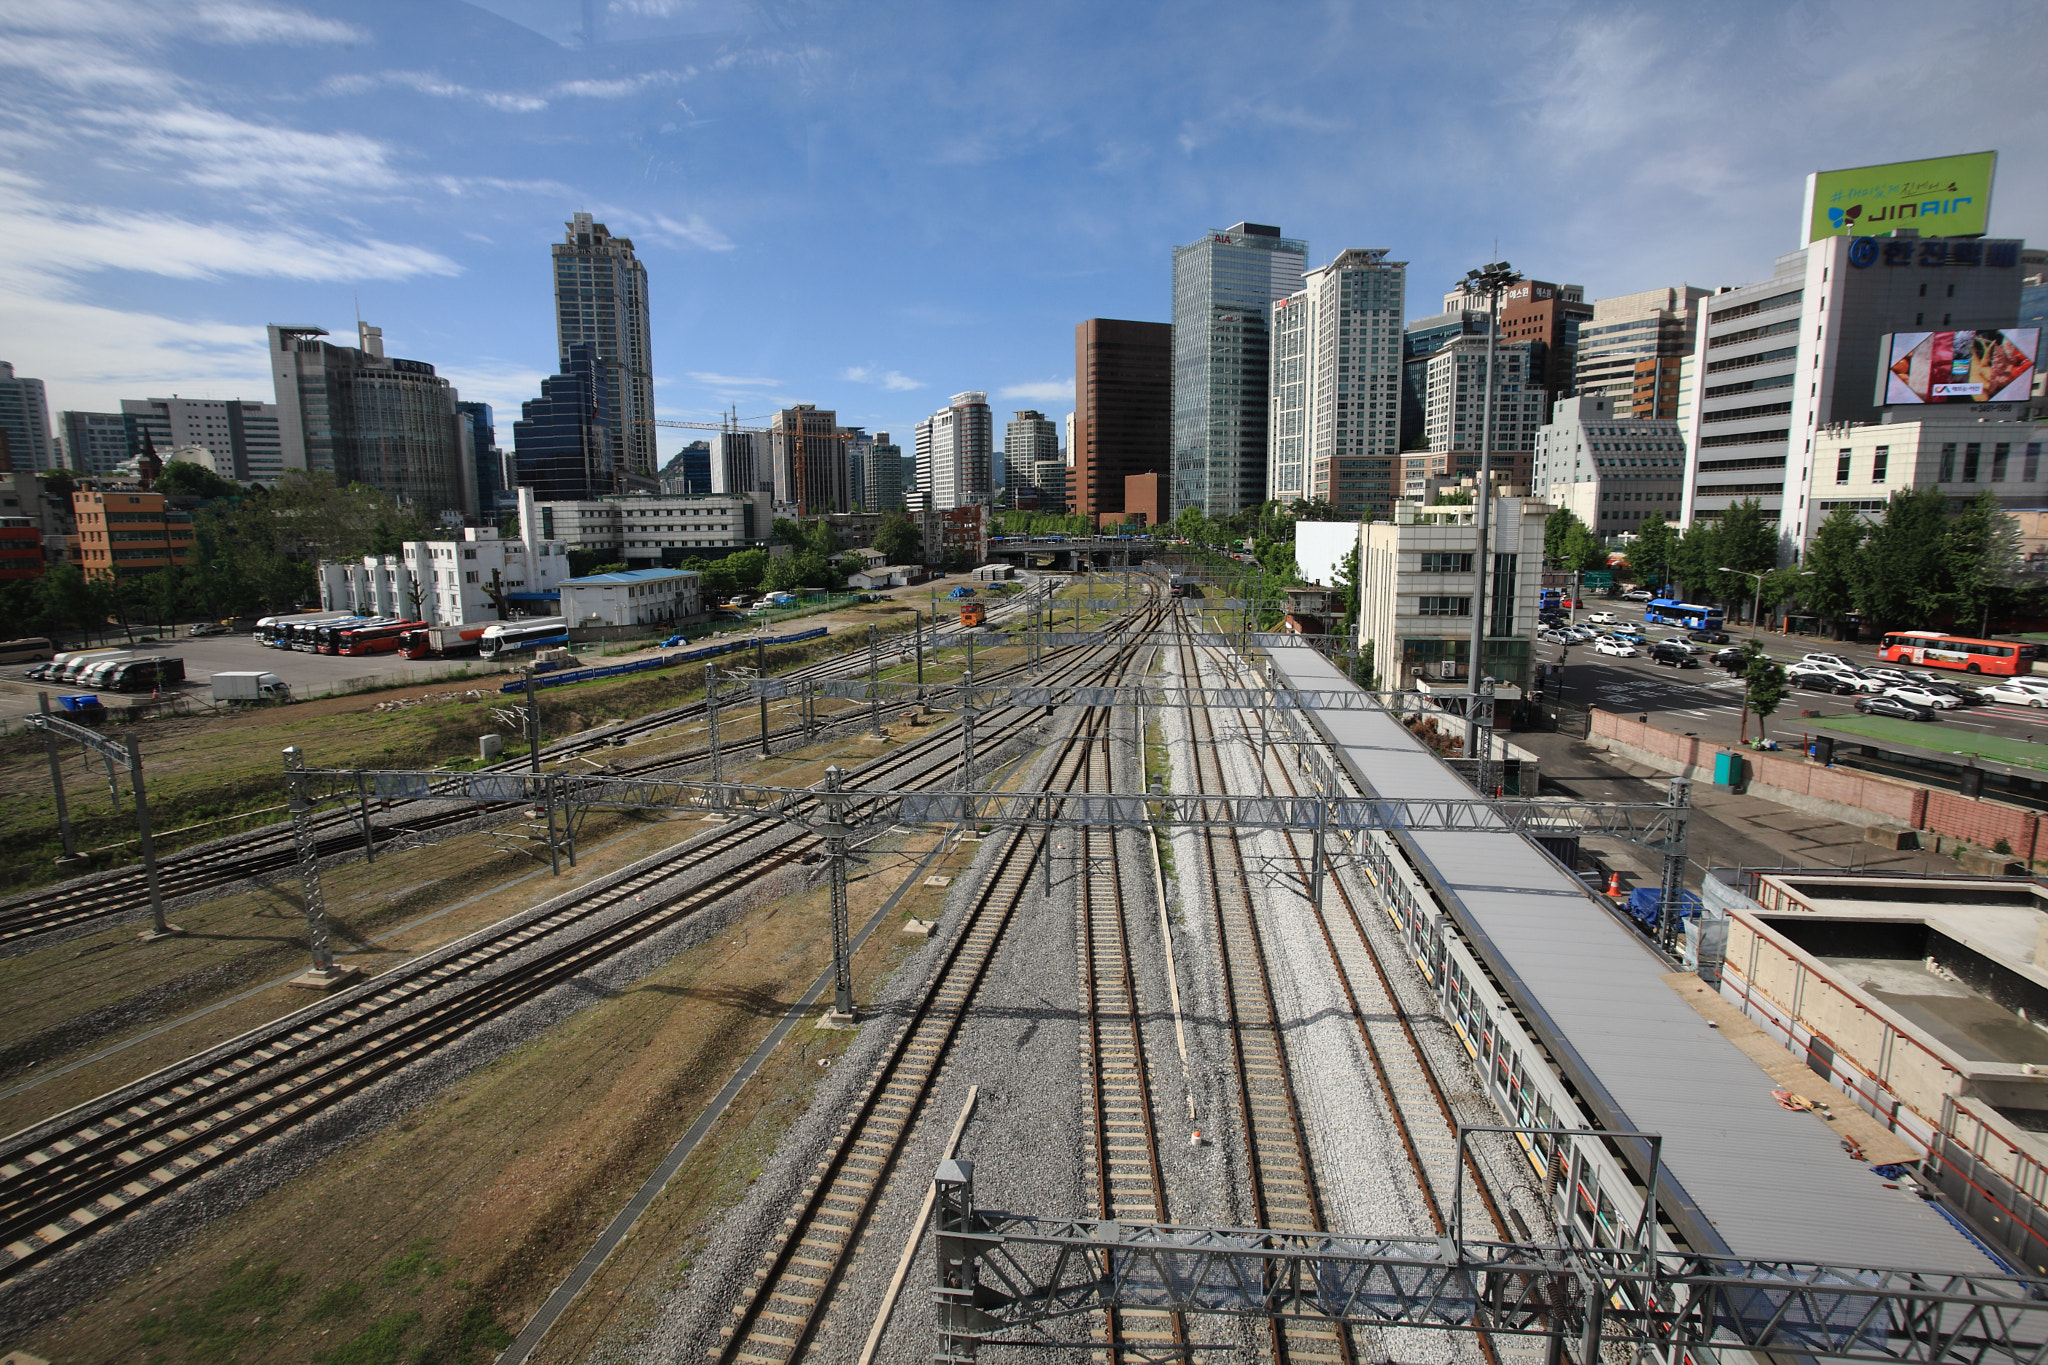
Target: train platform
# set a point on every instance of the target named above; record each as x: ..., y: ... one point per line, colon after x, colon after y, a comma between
x: 1742, y: 1174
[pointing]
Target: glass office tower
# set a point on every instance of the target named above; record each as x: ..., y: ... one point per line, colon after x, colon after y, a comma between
x: 601, y: 301
x: 1223, y: 292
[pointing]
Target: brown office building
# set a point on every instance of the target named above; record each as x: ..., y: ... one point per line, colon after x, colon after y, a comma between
x: 122, y: 534
x: 1549, y: 315
x: 1123, y: 410
x: 1657, y: 387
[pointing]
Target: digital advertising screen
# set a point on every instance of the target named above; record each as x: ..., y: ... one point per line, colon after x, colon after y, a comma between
x: 1987, y: 365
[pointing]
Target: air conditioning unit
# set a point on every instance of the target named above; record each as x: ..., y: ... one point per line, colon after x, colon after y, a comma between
x: 1449, y: 668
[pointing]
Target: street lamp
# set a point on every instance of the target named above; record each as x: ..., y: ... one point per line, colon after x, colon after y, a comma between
x: 1489, y: 281
x: 1756, y: 603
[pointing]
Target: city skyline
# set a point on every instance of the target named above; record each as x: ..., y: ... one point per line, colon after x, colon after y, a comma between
x: 197, y: 176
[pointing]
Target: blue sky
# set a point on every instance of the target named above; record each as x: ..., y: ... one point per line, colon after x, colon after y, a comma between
x: 872, y: 207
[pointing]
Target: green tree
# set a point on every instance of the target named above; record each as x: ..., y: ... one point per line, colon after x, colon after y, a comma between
x: 847, y: 565
x: 1830, y: 592
x: 1351, y: 584
x: 1900, y: 574
x: 1555, y: 527
x: 1315, y: 509
x: 1763, y: 689
x: 1452, y: 497
x: 1650, y: 556
x: 1582, y: 549
x: 182, y: 478
x: 1746, y: 541
x: 1981, y: 554
x: 900, y: 540
x: 1193, y: 525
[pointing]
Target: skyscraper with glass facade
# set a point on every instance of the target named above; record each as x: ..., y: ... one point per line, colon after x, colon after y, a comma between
x: 562, y: 441
x: 1224, y: 287
x: 601, y: 301
x: 1335, y: 384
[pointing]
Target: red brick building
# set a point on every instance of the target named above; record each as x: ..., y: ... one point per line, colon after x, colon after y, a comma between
x: 1123, y: 410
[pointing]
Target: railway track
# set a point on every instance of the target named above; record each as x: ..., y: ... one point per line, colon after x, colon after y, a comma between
x: 270, y: 850
x: 65, y: 1179
x: 1420, y: 1112
x: 1283, y: 1187
x: 777, y: 1323
x: 1129, y: 1181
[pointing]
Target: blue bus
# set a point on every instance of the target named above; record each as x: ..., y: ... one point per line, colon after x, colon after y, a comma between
x: 1666, y: 612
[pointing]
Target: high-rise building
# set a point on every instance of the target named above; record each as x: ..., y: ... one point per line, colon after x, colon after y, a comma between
x: 562, y: 442
x: 1549, y: 316
x: 1776, y: 362
x: 95, y: 442
x: 601, y: 301
x: 123, y: 534
x: 689, y: 473
x: 1335, y: 384
x: 1612, y: 469
x: 1031, y: 443
x: 1223, y: 292
x: 243, y: 439
x: 739, y: 462
x: 1420, y: 340
x: 955, y: 454
x: 364, y: 417
x: 1122, y: 423
x: 493, y: 494
x: 25, y: 423
x: 860, y: 456
x: 1636, y: 341
x: 883, y: 491
x: 807, y: 453
x: 1455, y: 417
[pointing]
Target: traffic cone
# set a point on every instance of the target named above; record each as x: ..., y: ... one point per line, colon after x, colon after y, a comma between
x: 1614, y: 886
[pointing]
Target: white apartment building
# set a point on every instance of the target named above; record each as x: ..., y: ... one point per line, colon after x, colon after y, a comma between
x: 1453, y: 412
x: 1776, y: 362
x: 450, y: 582
x: 1611, y: 471
x: 1860, y: 466
x: 1419, y: 579
x: 638, y: 597
x: 644, y: 529
x: 955, y: 454
x: 1335, y: 383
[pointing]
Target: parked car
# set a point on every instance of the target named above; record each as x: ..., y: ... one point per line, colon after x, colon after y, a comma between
x: 1922, y: 696
x: 1639, y: 595
x: 205, y: 628
x: 1707, y: 637
x: 1891, y: 675
x: 1632, y: 637
x: 1558, y: 637
x: 1730, y: 659
x: 1814, y: 680
x: 1677, y: 643
x: 1896, y: 707
x: 2014, y: 695
x: 1616, y: 648
x: 1676, y: 655
x: 1581, y: 634
x: 40, y: 671
x: 1603, y: 618
x: 1827, y: 661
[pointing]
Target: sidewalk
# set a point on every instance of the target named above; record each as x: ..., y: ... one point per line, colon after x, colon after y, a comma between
x: 1728, y: 829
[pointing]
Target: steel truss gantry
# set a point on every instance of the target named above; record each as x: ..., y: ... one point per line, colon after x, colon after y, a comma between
x: 1002, y: 1274
x: 126, y: 751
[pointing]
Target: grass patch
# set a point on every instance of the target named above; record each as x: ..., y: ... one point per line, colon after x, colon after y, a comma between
x: 381, y: 1343
x: 415, y: 1263
x: 1943, y: 739
x: 336, y: 1301
x: 216, y: 1327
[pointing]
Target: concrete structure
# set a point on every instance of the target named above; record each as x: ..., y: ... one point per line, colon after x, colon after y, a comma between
x: 1122, y: 423
x: 363, y: 417
x: 242, y: 439
x: 95, y: 442
x: 689, y: 473
x: 1418, y: 582
x: 1224, y: 287
x: 1031, y: 446
x: 1860, y: 465
x: 1610, y: 469
x: 601, y: 302
x: 825, y: 486
x: 1453, y: 420
x: 1335, y: 384
x: 27, y: 495
x: 1420, y: 340
x: 1321, y: 547
x: 739, y: 463
x: 480, y: 578
x: 884, y: 489
x: 125, y: 534
x: 1629, y: 331
x: 562, y: 442
x: 1776, y: 362
x: 21, y: 549
x: 955, y: 534
x: 647, y: 530
x: 26, y: 444
x: 1145, y: 498
x: 639, y: 597
x: 955, y: 455
x: 1548, y: 316
x: 1074, y: 554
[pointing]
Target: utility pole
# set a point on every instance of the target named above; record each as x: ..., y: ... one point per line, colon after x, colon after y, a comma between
x: 834, y: 831
x: 70, y: 854
x: 761, y: 676
x: 532, y: 723
x: 129, y: 751
x: 1489, y: 280
x: 323, y: 972
x: 711, y: 715
x: 874, y: 692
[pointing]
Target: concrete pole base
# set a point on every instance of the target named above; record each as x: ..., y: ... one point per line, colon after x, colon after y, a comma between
x: 834, y: 1019
x: 75, y: 860
x: 317, y: 980
x: 151, y: 935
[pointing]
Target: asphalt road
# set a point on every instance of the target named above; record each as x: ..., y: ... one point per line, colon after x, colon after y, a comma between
x: 1708, y: 701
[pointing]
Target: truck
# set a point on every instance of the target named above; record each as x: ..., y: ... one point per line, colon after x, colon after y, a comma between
x: 442, y: 642
x: 249, y: 687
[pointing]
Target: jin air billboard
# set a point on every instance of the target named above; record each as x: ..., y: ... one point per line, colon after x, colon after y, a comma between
x: 1944, y: 196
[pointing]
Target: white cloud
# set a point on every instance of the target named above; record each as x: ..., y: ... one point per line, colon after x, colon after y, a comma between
x: 729, y: 381
x: 250, y: 24
x: 210, y: 148
x: 892, y: 380
x: 1045, y: 391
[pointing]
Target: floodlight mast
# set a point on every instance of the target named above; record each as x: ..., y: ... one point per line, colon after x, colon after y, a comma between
x: 1489, y: 281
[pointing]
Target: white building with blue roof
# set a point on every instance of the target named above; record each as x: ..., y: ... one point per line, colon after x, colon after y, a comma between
x: 635, y: 597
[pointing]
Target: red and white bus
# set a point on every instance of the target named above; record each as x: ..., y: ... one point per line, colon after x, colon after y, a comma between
x: 386, y: 638
x: 1964, y: 653
x: 442, y: 642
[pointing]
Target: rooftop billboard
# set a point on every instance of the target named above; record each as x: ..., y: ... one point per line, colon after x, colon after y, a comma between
x: 1944, y: 196
x: 1984, y: 366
